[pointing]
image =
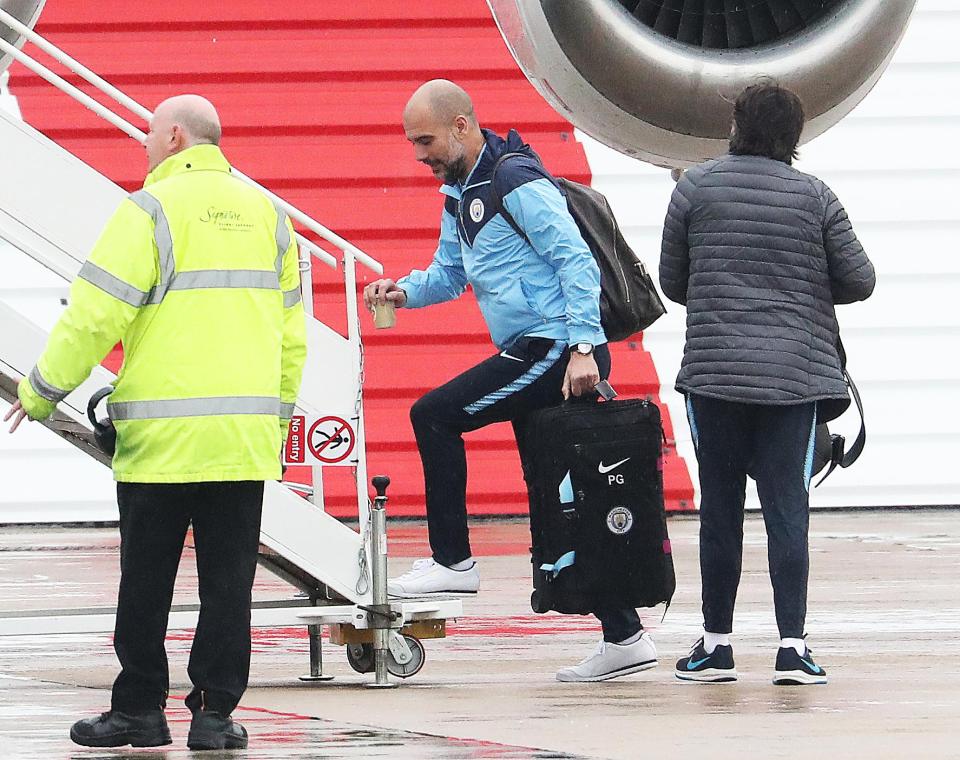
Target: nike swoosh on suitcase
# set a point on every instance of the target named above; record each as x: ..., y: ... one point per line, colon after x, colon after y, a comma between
x: 604, y: 469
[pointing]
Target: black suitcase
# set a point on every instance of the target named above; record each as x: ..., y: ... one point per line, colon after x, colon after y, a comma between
x: 595, y: 477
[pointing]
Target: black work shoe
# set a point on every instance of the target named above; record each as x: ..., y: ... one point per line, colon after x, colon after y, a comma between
x: 797, y: 670
x: 716, y: 667
x: 211, y: 730
x: 117, y: 729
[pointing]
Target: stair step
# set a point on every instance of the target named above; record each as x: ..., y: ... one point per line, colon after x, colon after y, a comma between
x: 494, y: 484
x: 329, y: 167
x: 388, y: 425
x: 318, y: 59
x: 180, y: 15
x: 306, y: 109
x: 394, y: 372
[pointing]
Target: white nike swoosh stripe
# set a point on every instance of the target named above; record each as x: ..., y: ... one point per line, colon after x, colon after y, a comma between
x: 603, y: 469
x: 505, y: 355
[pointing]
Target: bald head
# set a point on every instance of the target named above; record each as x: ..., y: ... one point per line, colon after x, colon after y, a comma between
x: 440, y: 122
x: 179, y: 123
x: 196, y: 115
x: 441, y: 99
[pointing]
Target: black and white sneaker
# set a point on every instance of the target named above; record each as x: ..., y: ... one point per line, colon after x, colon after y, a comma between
x: 613, y: 660
x: 797, y: 670
x: 715, y: 667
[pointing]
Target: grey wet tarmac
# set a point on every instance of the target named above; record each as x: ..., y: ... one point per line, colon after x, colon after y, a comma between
x: 884, y: 611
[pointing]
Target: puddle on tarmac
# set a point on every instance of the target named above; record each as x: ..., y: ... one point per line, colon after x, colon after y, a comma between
x: 35, y: 718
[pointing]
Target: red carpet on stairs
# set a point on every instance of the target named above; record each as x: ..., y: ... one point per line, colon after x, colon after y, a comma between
x: 311, y: 96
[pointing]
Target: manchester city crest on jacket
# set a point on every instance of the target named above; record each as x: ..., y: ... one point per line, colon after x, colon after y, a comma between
x: 476, y: 209
x: 619, y: 520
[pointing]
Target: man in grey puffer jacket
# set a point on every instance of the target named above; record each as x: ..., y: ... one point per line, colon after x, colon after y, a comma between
x: 759, y: 253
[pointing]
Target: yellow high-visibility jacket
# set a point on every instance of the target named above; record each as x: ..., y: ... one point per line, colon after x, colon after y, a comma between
x: 197, y: 274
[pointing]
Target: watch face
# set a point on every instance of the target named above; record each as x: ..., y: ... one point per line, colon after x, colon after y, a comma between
x: 585, y: 348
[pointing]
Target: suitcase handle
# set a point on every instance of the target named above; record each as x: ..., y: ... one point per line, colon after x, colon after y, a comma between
x: 602, y: 390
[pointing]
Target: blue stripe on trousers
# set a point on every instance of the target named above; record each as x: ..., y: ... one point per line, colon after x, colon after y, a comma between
x: 808, y: 461
x: 528, y: 377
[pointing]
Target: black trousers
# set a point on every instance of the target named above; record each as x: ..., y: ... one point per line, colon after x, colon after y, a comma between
x: 226, y: 530
x: 508, y: 386
x: 774, y: 446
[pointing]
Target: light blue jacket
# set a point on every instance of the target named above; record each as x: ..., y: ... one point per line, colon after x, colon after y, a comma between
x: 549, y: 287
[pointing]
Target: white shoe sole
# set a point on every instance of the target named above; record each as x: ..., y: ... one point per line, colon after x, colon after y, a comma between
x: 444, y: 592
x: 797, y: 678
x: 574, y: 678
x: 711, y: 675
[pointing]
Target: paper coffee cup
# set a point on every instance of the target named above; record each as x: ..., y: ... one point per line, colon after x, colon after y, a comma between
x: 384, y: 315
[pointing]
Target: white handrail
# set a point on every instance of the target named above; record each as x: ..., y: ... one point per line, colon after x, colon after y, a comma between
x: 133, y: 106
x: 76, y: 93
x: 78, y: 68
x: 122, y: 124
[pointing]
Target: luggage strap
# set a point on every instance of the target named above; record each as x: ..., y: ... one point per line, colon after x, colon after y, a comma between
x: 565, y: 561
x: 839, y: 454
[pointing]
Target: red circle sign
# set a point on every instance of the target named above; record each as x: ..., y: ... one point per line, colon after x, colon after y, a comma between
x: 331, y: 439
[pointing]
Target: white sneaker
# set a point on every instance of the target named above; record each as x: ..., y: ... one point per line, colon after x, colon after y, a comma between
x: 430, y: 577
x: 613, y: 660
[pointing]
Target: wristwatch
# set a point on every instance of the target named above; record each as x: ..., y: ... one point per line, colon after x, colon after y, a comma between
x: 584, y: 349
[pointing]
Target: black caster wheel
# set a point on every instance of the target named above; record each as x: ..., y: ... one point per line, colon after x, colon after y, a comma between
x: 360, y: 657
x: 416, y: 663
x: 538, y: 603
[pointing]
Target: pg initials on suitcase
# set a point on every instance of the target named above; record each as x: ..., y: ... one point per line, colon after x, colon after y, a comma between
x: 595, y: 477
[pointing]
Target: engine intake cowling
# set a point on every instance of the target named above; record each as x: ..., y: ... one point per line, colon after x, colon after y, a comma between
x: 656, y: 79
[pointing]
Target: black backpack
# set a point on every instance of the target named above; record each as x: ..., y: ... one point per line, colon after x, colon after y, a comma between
x: 629, y: 302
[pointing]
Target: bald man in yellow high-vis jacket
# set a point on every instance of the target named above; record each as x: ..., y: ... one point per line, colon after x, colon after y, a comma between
x: 197, y: 275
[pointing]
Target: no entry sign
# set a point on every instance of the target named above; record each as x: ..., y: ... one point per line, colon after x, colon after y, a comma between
x: 324, y: 440
x: 330, y: 440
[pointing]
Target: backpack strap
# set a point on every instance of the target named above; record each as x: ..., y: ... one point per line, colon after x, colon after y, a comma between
x: 498, y: 201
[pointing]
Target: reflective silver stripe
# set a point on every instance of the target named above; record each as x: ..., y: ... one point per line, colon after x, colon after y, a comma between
x: 112, y: 285
x: 287, y: 410
x: 283, y: 240
x: 225, y: 278
x: 193, y: 407
x: 291, y: 298
x: 170, y: 279
x: 161, y: 234
x: 44, y: 389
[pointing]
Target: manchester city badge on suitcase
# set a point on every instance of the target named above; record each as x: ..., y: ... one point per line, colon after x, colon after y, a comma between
x: 595, y: 476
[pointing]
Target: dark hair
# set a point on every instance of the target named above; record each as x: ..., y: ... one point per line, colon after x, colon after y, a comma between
x: 768, y: 120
